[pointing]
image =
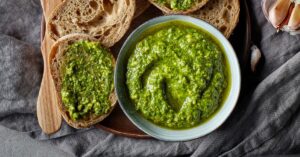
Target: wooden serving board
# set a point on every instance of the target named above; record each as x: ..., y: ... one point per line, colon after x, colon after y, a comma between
x: 117, y: 122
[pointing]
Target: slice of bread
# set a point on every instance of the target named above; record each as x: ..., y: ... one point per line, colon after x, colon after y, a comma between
x: 105, y: 20
x: 140, y: 7
x: 223, y: 14
x: 55, y: 57
x: 167, y: 10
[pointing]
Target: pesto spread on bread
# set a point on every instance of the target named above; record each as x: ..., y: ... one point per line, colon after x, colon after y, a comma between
x: 178, y: 4
x: 87, y: 79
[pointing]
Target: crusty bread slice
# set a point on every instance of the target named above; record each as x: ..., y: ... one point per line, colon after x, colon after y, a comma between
x: 223, y: 14
x: 105, y: 20
x: 56, y: 55
x: 167, y: 10
x: 140, y: 7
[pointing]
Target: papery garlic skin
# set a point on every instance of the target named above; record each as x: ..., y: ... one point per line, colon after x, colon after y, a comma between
x: 279, y: 11
x: 296, y: 1
x: 291, y: 32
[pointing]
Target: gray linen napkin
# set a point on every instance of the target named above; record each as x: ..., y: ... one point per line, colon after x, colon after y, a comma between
x: 266, y: 120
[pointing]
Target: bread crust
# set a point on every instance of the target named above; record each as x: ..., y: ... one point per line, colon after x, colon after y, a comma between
x: 223, y: 14
x: 56, y: 51
x: 105, y: 20
x: 168, y: 11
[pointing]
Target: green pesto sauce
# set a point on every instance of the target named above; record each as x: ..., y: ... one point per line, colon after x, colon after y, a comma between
x: 177, y: 4
x: 87, y: 79
x: 177, y: 76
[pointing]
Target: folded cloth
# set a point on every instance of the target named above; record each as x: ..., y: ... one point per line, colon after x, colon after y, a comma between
x: 264, y: 122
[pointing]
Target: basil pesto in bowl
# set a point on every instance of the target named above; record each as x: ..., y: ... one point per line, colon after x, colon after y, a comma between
x: 177, y: 78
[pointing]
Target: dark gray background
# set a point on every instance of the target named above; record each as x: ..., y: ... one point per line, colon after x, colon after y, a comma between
x: 266, y: 120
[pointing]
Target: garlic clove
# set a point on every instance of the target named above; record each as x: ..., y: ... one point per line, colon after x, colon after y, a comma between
x: 255, y: 58
x: 287, y: 19
x: 294, y: 22
x: 279, y: 12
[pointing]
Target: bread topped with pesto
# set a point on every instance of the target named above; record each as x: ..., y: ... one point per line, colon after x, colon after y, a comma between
x: 105, y: 20
x: 82, y: 70
x: 223, y: 14
x: 178, y: 6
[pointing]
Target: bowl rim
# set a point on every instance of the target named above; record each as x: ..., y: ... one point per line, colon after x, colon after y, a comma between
x: 223, y: 41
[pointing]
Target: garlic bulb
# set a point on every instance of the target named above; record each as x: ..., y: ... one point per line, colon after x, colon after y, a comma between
x: 283, y: 14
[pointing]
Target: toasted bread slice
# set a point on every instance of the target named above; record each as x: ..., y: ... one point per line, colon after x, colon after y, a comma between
x: 168, y: 10
x: 140, y: 7
x: 223, y: 14
x: 56, y: 55
x: 105, y: 20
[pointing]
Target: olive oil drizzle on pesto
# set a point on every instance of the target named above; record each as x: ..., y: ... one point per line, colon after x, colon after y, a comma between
x: 87, y: 79
x: 177, y: 4
x: 177, y: 76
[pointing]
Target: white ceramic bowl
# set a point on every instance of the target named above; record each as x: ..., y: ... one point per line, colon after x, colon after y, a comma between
x: 169, y: 134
